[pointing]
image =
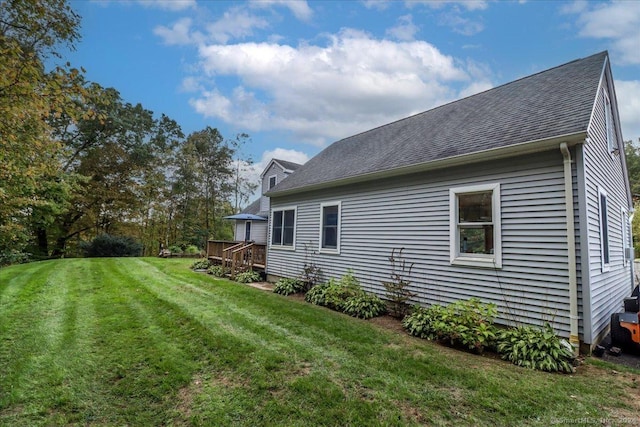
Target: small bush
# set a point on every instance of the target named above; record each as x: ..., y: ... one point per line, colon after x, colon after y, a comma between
x: 464, y: 323
x: 419, y: 322
x: 107, y: 245
x: 289, y: 286
x: 364, y: 306
x: 317, y: 294
x: 12, y: 256
x: 175, y: 249
x: 249, y: 276
x: 332, y: 294
x: 192, y: 250
x: 346, y: 295
x: 201, y: 264
x: 536, y: 348
x: 217, y: 270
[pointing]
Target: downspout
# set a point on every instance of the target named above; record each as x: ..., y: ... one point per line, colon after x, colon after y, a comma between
x: 574, y: 340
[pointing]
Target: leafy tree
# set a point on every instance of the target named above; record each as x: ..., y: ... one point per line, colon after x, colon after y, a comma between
x: 30, y: 177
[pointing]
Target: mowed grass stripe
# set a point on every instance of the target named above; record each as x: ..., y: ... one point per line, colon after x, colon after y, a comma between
x: 149, y: 342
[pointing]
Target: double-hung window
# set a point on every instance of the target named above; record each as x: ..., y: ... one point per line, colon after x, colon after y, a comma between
x: 283, y: 227
x: 475, y: 234
x: 330, y: 227
x: 273, y: 180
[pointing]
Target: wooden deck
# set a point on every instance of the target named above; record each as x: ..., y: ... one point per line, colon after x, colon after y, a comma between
x: 237, y: 256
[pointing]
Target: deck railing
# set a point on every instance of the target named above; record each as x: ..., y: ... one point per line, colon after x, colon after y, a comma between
x: 237, y: 256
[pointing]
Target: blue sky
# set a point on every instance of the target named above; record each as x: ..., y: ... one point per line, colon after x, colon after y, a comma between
x: 298, y: 75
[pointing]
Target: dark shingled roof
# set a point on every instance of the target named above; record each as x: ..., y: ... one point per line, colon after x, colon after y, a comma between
x: 288, y: 165
x: 254, y: 209
x: 551, y: 103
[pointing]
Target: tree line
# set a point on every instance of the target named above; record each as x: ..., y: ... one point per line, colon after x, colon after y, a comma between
x: 78, y: 161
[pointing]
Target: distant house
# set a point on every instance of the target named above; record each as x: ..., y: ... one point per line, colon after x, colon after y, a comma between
x: 251, y: 223
x: 517, y: 195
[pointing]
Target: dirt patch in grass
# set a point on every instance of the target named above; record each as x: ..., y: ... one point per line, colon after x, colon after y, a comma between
x: 388, y: 322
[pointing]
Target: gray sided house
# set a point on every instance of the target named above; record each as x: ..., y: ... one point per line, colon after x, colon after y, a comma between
x: 251, y: 223
x: 517, y: 195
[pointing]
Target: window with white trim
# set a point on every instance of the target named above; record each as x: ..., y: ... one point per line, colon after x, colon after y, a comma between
x: 604, y: 228
x: 626, y: 252
x: 283, y: 227
x: 330, y: 227
x: 475, y: 226
x: 608, y: 117
x: 273, y: 180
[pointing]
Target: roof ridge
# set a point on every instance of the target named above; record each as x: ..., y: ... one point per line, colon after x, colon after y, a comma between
x: 605, y: 52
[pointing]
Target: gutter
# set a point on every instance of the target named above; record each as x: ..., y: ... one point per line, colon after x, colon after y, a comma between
x: 574, y: 340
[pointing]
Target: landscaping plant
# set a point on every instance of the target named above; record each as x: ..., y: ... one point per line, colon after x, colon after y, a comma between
x: 364, y: 306
x: 248, y: 276
x: 466, y: 323
x: 289, y: 286
x: 346, y: 295
x: 397, y: 290
x: 217, y: 270
x: 536, y: 348
x: 201, y: 264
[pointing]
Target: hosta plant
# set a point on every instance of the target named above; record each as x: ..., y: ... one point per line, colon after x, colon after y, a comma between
x: 248, y: 276
x: 364, y: 306
x: 201, y: 264
x: 536, y: 348
x: 217, y: 270
x: 289, y: 286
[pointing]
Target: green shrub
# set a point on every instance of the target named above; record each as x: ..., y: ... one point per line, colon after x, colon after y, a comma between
x: 337, y: 295
x: 107, y: 245
x: 289, y: 286
x: 12, y: 256
x: 419, y: 322
x: 317, y: 294
x: 346, y: 295
x: 192, y: 250
x: 248, y: 276
x: 201, y: 264
x: 217, y: 270
x: 175, y: 249
x: 465, y: 323
x: 364, y: 306
x: 333, y: 294
x: 536, y: 348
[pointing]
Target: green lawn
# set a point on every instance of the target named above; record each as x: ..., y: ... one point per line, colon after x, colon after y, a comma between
x: 148, y: 342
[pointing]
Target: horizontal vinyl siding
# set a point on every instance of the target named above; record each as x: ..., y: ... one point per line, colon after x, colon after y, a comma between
x: 272, y: 170
x: 259, y: 232
x: 413, y: 212
x: 604, y: 170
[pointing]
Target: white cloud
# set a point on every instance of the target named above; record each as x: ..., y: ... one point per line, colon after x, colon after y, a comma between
x: 618, y: 22
x: 439, y: 4
x: 376, y: 4
x: 405, y: 30
x: 321, y: 93
x: 294, y: 156
x: 461, y: 25
x: 177, y: 34
x: 236, y: 23
x: 252, y: 172
x: 628, y: 94
x: 299, y: 8
x: 174, y: 5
